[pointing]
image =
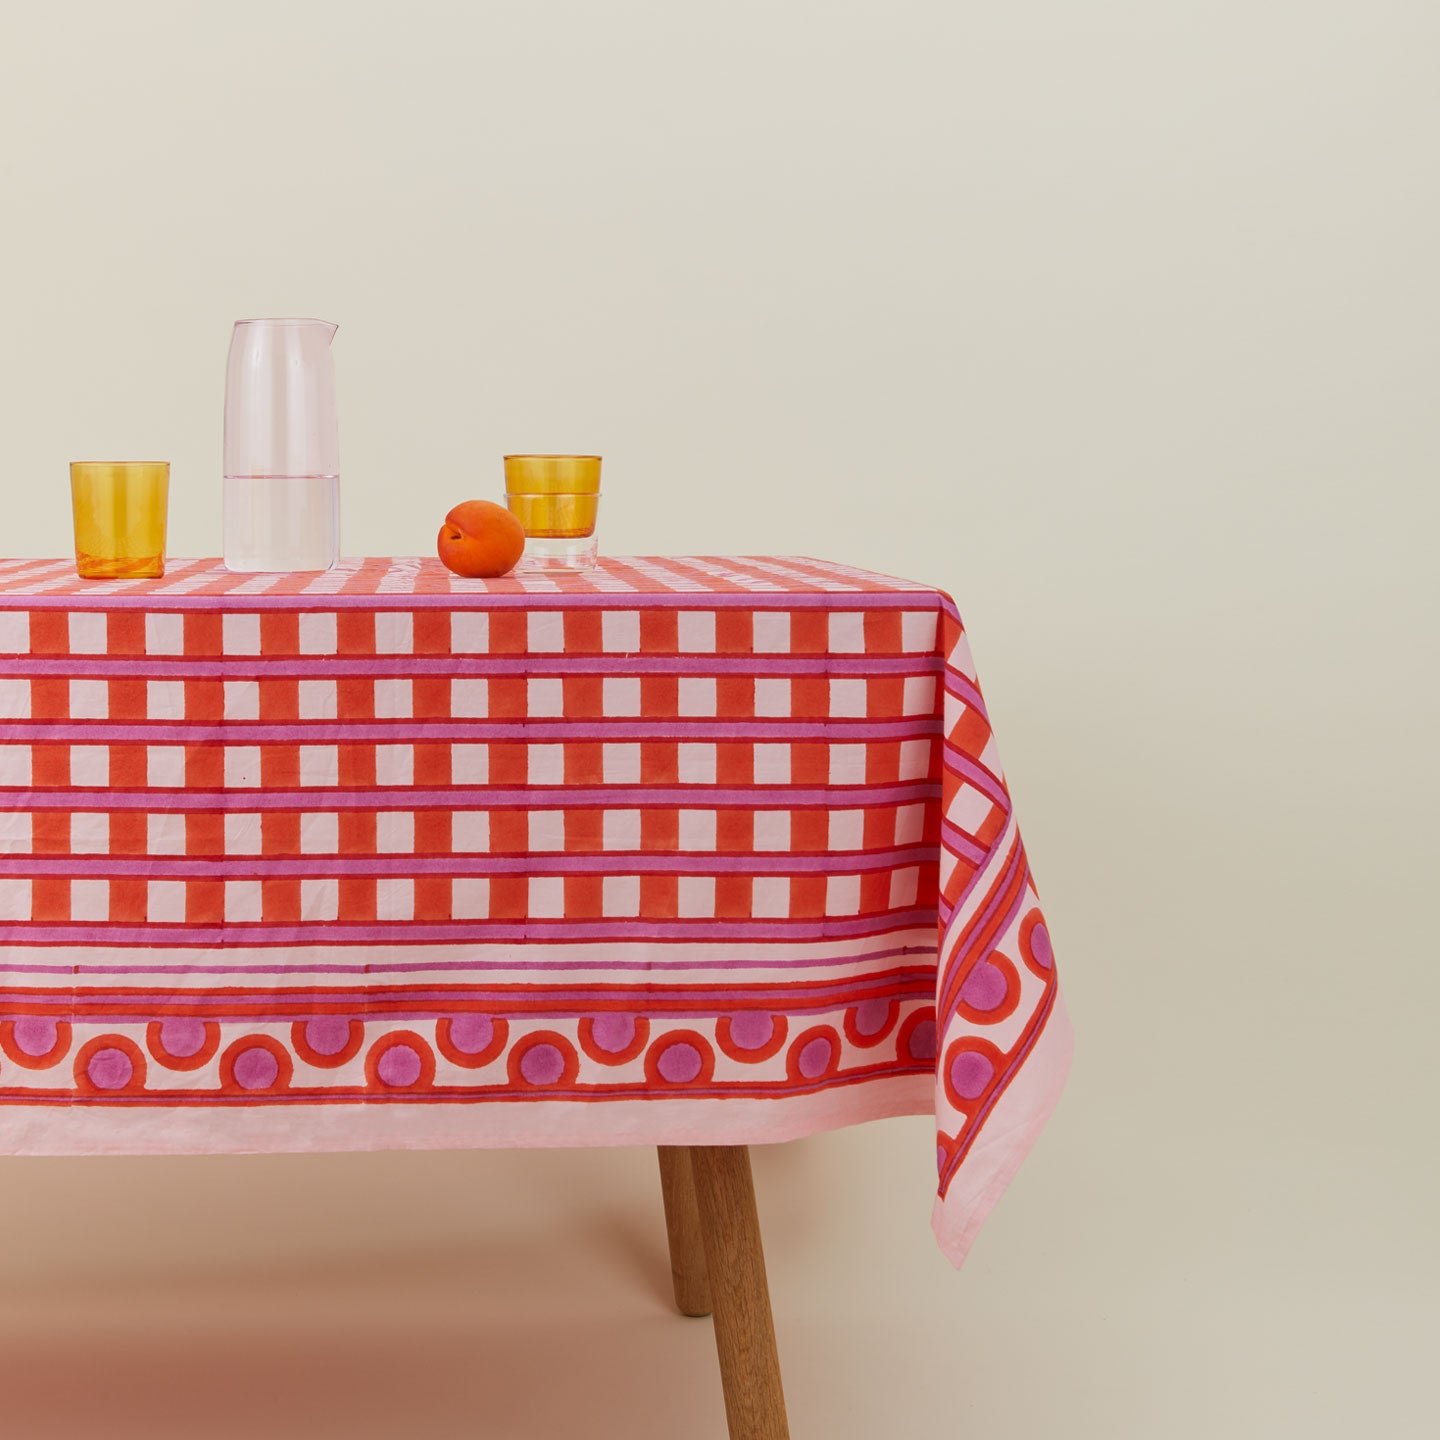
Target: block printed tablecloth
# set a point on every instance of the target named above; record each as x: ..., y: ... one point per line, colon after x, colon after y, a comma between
x: 675, y: 851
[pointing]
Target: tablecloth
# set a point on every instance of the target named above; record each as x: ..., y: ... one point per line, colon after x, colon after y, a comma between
x: 674, y: 851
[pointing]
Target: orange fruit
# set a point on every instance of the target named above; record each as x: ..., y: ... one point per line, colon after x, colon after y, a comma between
x: 480, y: 539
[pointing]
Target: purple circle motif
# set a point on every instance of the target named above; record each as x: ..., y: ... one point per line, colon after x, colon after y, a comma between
x: 814, y: 1059
x: 871, y: 1015
x: 470, y: 1034
x: 1040, y: 949
x: 613, y: 1033
x: 182, y: 1038
x: 36, y: 1035
x: 751, y: 1029
x: 984, y: 987
x: 970, y: 1073
x: 542, y: 1065
x: 399, y: 1066
x: 256, y: 1068
x: 679, y: 1063
x: 922, y: 1041
x: 110, y: 1069
x: 327, y: 1034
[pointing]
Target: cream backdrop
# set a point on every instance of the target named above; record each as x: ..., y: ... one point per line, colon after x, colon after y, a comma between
x: 1119, y: 321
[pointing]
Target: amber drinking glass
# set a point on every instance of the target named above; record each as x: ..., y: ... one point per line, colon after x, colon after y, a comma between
x: 555, y: 498
x: 119, y: 517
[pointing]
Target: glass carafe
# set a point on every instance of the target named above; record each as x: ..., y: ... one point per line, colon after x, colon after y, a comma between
x: 282, y: 447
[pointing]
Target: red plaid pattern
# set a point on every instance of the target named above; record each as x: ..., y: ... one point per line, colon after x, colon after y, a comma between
x: 186, y: 711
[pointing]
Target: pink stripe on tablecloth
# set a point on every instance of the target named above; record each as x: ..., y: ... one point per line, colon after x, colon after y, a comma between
x: 463, y: 1094
x: 408, y: 967
x: 610, y: 862
x: 962, y: 844
x: 778, y: 796
x: 481, y: 931
x: 531, y: 664
x: 977, y: 775
x: 419, y: 1004
x: 405, y: 730
x: 962, y: 690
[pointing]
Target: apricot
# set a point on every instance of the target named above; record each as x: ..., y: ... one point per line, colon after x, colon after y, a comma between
x: 480, y: 539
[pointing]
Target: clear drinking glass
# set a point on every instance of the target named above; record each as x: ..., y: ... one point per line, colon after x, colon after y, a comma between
x: 119, y: 508
x: 282, y: 447
x: 555, y: 498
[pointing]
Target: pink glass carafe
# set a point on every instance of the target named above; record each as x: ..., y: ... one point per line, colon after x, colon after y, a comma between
x: 282, y: 447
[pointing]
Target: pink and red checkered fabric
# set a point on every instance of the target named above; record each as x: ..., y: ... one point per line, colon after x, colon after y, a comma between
x: 657, y: 853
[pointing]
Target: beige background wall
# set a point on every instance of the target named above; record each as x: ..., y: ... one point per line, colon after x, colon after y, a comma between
x: 1117, y: 320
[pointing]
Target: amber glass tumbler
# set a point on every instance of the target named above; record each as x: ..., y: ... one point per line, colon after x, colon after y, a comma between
x: 120, y: 510
x: 556, y: 499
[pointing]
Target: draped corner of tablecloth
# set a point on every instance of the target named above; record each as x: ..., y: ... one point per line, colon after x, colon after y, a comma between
x: 694, y: 850
x: 1005, y: 1136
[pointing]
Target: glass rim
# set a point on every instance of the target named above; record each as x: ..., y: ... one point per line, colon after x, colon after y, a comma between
x: 537, y: 456
x: 286, y: 320
x: 120, y: 464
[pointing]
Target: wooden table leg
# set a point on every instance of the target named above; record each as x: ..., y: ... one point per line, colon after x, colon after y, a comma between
x: 744, y: 1328
x: 682, y: 1222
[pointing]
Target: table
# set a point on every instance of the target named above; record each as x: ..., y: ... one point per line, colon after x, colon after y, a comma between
x: 695, y: 853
